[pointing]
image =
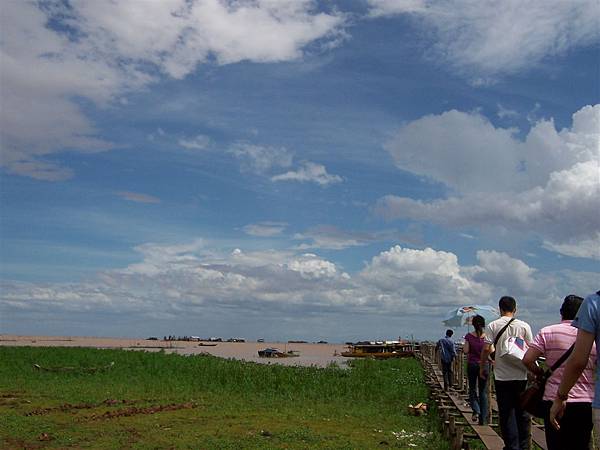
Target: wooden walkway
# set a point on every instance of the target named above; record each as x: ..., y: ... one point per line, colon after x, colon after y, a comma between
x: 455, y: 411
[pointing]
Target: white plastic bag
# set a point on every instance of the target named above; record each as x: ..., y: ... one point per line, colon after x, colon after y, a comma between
x: 516, y: 348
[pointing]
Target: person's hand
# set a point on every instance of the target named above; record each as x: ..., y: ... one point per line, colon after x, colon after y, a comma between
x: 557, y: 411
x: 483, y: 373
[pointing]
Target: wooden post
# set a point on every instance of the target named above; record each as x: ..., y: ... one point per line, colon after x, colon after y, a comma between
x: 459, y: 438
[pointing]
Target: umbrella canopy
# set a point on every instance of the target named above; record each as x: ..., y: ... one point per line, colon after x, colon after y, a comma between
x: 462, y: 316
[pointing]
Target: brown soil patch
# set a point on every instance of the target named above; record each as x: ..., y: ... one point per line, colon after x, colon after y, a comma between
x: 134, y: 411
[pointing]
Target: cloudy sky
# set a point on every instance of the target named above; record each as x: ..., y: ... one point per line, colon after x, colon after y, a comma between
x: 294, y: 169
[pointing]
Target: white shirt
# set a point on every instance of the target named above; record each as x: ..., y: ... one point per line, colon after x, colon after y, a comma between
x: 507, y: 369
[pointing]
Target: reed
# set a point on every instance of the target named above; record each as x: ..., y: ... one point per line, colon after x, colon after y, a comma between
x: 161, y: 400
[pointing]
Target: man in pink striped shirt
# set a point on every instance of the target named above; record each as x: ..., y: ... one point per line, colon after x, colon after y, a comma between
x: 552, y: 342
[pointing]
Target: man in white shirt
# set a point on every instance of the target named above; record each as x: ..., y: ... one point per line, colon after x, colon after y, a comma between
x: 510, y: 375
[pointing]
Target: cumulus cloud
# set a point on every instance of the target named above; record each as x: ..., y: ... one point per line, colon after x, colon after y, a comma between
x: 101, y: 50
x: 547, y: 184
x: 197, y: 279
x: 499, y: 269
x: 309, y: 172
x: 137, y: 197
x: 497, y: 38
x: 265, y: 229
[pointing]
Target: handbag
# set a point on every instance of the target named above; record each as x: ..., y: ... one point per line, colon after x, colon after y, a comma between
x: 531, y: 399
x: 493, y: 354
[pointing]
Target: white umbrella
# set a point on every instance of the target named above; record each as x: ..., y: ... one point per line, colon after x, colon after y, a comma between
x: 462, y: 316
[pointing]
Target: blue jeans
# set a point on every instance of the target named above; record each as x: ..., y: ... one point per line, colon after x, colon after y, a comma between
x: 447, y: 374
x: 477, y: 393
x: 515, y: 423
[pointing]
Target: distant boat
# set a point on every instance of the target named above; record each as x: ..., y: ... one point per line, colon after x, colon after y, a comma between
x: 204, y: 344
x: 236, y: 340
x: 275, y: 353
x: 379, y: 349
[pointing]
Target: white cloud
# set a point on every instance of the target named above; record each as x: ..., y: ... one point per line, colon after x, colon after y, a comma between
x: 261, y: 159
x: 428, y: 277
x: 506, y: 113
x: 495, y: 38
x: 547, y: 184
x: 265, y: 229
x: 197, y: 280
x: 199, y: 142
x: 101, y: 50
x: 584, y: 248
x: 309, y: 172
x: 332, y: 237
x: 335, y: 238
x: 311, y: 267
x: 137, y: 197
x: 499, y: 269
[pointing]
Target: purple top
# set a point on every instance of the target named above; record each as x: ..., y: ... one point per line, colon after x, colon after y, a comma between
x: 475, y: 347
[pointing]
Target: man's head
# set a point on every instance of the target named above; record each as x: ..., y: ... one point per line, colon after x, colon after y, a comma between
x: 570, y: 306
x: 449, y: 333
x: 507, y: 305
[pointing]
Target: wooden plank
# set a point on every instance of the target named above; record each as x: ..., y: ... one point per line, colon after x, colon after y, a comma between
x: 539, y: 437
x: 489, y: 437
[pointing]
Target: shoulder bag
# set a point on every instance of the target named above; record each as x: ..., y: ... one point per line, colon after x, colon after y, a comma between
x: 493, y: 354
x: 531, y: 398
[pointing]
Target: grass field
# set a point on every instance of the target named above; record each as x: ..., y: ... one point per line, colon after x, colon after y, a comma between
x: 158, y: 400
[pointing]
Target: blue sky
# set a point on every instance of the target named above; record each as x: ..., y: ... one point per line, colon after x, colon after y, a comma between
x: 294, y: 169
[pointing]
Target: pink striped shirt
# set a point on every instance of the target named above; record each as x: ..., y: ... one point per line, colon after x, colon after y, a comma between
x: 553, y: 341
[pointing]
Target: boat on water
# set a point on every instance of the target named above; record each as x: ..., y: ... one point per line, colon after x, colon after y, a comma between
x: 380, y: 349
x: 275, y: 353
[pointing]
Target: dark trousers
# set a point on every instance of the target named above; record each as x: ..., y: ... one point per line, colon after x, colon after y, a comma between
x: 515, y: 423
x: 447, y: 373
x: 575, y: 427
x: 477, y: 393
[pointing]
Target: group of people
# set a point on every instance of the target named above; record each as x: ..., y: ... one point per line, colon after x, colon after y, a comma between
x: 571, y: 408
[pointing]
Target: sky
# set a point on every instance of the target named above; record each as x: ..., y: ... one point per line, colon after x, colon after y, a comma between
x: 294, y: 169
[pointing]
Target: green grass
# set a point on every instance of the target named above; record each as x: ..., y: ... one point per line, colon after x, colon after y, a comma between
x: 158, y: 400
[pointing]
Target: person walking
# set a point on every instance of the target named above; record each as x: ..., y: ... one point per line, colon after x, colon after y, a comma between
x: 553, y: 342
x: 445, y: 347
x: 510, y: 376
x: 474, y: 342
x: 587, y: 322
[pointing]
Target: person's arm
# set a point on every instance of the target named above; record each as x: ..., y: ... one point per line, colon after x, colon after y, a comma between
x: 483, y: 362
x: 537, y: 348
x: 466, y: 347
x: 528, y: 334
x: 529, y: 360
x: 575, y: 365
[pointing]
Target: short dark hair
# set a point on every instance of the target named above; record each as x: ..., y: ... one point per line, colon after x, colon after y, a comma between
x: 570, y: 306
x: 507, y: 304
x: 449, y: 333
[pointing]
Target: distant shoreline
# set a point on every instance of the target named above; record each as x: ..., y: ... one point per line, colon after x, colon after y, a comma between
x: 310, y: 353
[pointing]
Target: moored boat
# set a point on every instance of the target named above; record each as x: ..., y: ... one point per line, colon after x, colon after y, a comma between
x: 275, y: 353
x: 379, y: 349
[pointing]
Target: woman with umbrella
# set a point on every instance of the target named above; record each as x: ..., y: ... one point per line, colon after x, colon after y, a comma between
x: 474, y: 342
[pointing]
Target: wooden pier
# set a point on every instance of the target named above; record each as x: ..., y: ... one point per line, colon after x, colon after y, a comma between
x: 455, y: 411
